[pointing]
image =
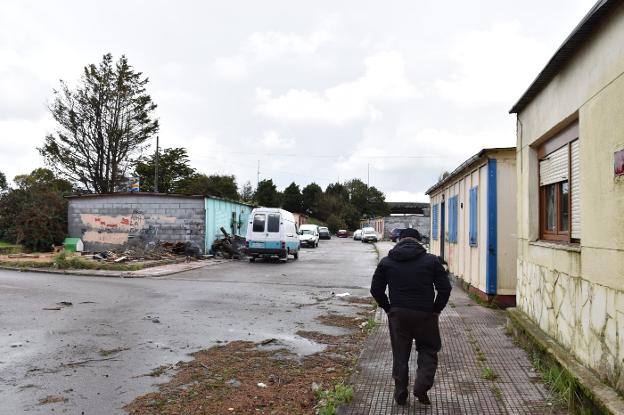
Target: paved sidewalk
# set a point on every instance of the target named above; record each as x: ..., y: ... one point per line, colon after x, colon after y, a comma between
x: 470, y: 334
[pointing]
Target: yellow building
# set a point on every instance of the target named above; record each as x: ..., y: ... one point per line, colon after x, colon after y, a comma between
x: 570, y: 160
x: 473, y: 224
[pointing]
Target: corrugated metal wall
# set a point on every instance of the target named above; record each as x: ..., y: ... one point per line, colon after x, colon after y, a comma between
x: 227, y: 214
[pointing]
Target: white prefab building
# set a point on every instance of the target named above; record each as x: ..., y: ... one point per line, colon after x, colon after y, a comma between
x: 473, y: 223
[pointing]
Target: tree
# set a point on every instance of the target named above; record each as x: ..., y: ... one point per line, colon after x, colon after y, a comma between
x: 292, y: 199
x: 35, y: 213
x: 102, y: 124
x: 173, y: 170
x: 266, y: 194
x: 335, y: 222
x: 3, y: 183
x: 338, y: 190
x: 214, y: 185
x: 247, y: 192
x: 311, y: 195
x: 369, y: 201
x: 329, y: 205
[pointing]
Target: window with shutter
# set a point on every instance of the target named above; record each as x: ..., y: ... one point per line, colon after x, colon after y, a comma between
x: 474, y: 214
x: 559, y: 187
x: 452, y: 211
x: 434, y: 224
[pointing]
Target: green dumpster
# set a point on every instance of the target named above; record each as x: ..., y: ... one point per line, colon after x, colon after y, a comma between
x: 73, y: 245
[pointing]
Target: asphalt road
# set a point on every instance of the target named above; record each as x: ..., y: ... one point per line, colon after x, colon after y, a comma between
x: 97, y: 353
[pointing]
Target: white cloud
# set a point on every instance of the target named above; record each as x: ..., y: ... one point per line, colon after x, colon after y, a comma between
x: 233, y: 68
x: 494, y: 66
x: 19, y: 140
x: 273, y: 140
x: 270, y: 45
x: 385, y: 79
x: 404, y: 196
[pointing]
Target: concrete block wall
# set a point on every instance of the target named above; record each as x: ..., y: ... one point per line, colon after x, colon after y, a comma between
x: 118, y: 222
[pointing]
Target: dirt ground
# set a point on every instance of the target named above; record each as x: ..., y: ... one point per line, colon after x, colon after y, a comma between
x: 260, y: 378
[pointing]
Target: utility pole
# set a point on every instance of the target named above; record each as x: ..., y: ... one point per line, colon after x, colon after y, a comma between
x: 258, y: 176
x: 156, y: 168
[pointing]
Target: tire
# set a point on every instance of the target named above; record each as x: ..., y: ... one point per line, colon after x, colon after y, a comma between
x: 316, y: 245
x: 252, y: 259
x: 296, y: 255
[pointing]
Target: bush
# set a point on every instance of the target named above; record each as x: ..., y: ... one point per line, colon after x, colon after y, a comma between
x: 35, y: 214
x: 334, y: 223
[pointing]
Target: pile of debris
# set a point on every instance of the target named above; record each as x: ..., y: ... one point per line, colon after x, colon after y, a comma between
x: 152, y: 252
x: 229, y: 247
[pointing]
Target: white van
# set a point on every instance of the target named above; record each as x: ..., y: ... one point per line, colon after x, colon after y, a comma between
x: 309, y: 235
x: 272, y: 232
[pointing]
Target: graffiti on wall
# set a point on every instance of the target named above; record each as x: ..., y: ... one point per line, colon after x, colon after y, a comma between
x: 118, y: 230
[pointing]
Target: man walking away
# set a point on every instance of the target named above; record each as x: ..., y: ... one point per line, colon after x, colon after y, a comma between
x: 411, y: 275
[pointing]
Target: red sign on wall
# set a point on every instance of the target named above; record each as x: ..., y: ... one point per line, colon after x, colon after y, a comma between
x: 618, y: 163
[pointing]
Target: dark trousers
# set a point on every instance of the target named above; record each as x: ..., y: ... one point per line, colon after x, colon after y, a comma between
x: 422, y: 327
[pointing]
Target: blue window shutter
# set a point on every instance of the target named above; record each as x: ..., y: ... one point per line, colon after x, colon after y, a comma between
x: 453, y: 219
x: 434, y: 225
x: 474, y: 210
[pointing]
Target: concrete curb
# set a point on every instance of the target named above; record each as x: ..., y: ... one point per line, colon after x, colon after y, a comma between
x: 601, y: 395
x: 154, y: 271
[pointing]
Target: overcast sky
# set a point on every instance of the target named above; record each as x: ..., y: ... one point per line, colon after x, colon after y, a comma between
x: 317, y: 91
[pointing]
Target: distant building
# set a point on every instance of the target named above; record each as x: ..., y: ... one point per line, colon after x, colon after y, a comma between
x: 473, y: 223
x: 300, y: 219
x: 118, y: 221
x: 571, y: 194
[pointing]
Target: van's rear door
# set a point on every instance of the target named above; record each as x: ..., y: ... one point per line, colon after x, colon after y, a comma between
x: 258, y: 230
x: 274, y: 236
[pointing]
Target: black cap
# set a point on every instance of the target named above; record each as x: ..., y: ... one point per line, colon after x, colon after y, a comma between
x: 409, y: 233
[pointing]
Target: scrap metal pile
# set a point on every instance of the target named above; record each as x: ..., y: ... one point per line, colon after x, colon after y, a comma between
x: 229, y: 247
x: 152, y: 252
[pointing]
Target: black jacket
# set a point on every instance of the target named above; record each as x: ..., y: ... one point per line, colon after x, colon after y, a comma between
x: 411, y: 275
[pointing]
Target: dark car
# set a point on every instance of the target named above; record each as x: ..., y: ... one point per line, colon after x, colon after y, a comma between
x: 342, y: 233
x: 324, y: 233
x: 394, y: 234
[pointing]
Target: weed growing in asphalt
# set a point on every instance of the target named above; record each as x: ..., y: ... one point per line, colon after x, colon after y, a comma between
x: 488, y: 373
x: 108, y: 352
x: 331, y: 399
x: 496, y: 391
x: 370, y: 324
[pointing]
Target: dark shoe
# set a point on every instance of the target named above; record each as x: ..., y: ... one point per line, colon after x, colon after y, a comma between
x: 423, y: 398
x: 400, y: 398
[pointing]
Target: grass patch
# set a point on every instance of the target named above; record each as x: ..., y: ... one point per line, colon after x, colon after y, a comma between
x: 488, y: 373
x: 7, y: 248
x: 331, y: 399
x: 568, y: 392
x: 496, y: 391
x: 478, y: 300
x: 64, y: 261
x: 370, y: 324
x: 26, y: 264
x: 157, y: 372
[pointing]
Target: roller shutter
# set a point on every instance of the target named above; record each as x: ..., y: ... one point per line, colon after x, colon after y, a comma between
x: 554, y: 168
x: 575, y: 189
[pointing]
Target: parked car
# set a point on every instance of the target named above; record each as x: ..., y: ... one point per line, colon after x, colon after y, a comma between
x: 324, y: 232
x: 309, y: 235
x: 342, y: 233
x: 395, y: 233
x: 369, y: 235
x: 272, y: 233
x: 357, y: 235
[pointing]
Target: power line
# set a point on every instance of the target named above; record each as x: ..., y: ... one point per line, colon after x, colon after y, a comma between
x: 328, y: 156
